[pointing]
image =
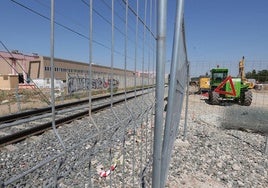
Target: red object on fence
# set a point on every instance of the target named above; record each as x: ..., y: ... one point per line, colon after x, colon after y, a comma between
x: 113, y: 167
x: 104, y: 174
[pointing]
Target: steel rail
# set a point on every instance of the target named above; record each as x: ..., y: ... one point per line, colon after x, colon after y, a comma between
x: 34, y: 112
x: 21, y: 135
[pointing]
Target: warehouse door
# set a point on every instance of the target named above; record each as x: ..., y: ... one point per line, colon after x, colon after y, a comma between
x: 34, y: 69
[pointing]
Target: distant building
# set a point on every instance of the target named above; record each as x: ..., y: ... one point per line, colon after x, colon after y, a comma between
x: 8, y: 82
x: 33, y: 66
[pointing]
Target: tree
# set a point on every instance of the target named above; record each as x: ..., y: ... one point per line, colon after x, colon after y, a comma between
x: 261, y: 76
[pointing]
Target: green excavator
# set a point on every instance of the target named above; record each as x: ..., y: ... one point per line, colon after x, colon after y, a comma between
x: 224, y: 87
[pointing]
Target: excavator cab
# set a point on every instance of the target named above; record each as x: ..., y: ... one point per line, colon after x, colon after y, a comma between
x: 217, y: 76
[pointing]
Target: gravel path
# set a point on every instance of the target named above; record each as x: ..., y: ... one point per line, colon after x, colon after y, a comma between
x: 216, y: 153
x: 90, y: 146
x: 222, y: 148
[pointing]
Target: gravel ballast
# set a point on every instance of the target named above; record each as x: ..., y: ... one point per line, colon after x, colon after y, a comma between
x: 216, y: 153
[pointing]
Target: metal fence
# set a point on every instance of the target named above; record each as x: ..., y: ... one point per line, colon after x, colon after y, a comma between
x: 177, y: 84
x: 130, y: 145
x: 113, y: 148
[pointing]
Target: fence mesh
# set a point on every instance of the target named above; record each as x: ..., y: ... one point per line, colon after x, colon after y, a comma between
x: 112, y: 148
x: 138, y: 142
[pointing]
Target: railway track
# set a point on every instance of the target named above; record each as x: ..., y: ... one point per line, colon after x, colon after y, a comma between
x: 34, y: 112
x: 19, y: 126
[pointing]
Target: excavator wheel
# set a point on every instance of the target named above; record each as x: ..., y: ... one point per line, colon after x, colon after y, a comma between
x: 214, y: 98
x: 246, y: 98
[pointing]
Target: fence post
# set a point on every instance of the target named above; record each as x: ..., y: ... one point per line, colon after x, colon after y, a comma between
x: 187, y: 101
x: 159, y: 106
x: 18, y: 98
x: 90, y: 52
x: 175, y: 93
x: 266, y: 145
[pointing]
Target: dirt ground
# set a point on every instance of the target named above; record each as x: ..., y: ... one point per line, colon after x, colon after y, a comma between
x: 229, y: 112
x: 10, y: 105
x: 217, y: 119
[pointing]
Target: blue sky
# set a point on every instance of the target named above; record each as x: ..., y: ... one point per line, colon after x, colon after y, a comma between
x: 216, y: 30
x: 227, y: 29
x: 224, y: 31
